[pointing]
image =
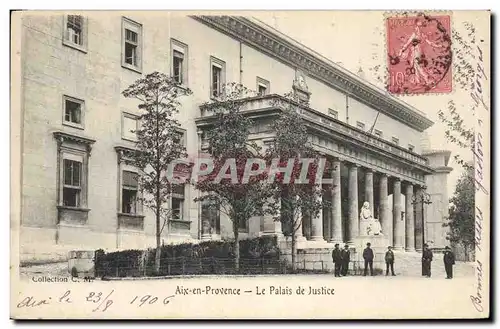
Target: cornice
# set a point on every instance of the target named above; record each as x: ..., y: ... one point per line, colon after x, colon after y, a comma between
x: 124, y: 153
x: 273, y: 43
x: 63, y: 137
x: 443, y: 169
x: 268, y: 106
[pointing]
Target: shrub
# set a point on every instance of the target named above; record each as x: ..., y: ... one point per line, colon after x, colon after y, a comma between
x: 119, y: 263
x: 207, y: 257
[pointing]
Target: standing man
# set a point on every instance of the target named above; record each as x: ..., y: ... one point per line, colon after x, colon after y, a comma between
x: 426, y: 261
x: 346, y: 258
x: 449, y: 261
x: 368, y: 257
x: 389, y: 261
x: 337, y: 259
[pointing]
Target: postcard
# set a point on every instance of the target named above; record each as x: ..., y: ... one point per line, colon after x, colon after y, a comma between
x: 250, y: 165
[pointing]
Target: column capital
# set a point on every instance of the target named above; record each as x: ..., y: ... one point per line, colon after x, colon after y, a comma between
x: 353, y: 165
x: 420, y: 187
x: 369, y: 170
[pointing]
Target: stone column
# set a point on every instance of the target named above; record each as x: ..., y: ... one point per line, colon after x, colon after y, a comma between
x: 369, y: 189
x: 336, y: 207
x: 353, y: 203
x: 418, y: 220
x: 398, y: 235
x: 298, y: 227
x: 317, y: 221
x: 205, y: 223
x: 409, y: 220
x: 327, y: 222
x: 384, y: 214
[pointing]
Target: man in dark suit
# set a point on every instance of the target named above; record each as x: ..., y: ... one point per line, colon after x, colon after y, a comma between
x: 449, y: 261
x: 368, y: 257
x: 426, y: 261
x: 337, y: 259
x: 389, y: 261
x: 346, y: 258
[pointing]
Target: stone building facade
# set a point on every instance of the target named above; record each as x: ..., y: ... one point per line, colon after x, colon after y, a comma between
x: 78, y: 192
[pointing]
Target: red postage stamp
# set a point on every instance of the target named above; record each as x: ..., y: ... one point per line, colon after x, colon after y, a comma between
x: 419, y: 54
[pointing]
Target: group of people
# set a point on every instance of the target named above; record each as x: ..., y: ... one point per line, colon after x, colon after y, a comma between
x: 341, y: 259
x: 448, y: 260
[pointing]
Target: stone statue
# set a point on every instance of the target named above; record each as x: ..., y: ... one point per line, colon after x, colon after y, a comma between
x: 367, y: 224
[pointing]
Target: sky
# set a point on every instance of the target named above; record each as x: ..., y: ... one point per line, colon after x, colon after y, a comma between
x: 356, y: 40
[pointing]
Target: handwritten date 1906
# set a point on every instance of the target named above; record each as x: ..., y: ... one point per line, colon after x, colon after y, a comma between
x: 149, y: 299
x: 101, y: 301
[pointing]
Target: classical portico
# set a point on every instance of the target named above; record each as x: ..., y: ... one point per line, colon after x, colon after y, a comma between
x: 365, y: 168
x: 385, y: 171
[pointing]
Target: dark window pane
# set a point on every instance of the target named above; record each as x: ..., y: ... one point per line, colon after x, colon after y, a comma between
x: 75, y: 21
x: 72, y: 172
x: 242, y: 225
x: 76, y: 173
x: 68, y: 169
x: 212, y: 215
x: 71, y: 197
x: 215, y: 219
x: 178, y: 189
x: 177, y: 208
x: 130, y: 36
x: 130, y: 54
x: 216, y: 75
x: 74, y: 29
x: 130, y: 179
x: 72, y: 111
x: 178, y: 61
x: 129, y: 201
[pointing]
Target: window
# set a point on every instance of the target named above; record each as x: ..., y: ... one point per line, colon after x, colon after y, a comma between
x: 130, y: 125
x: 132, y: 34
x: 263, y: 86
x: 180, y: 137
x: 178, y: 202
x: 378, y: 133
x: 242, y: 226
x: 72, y: 183
x: 216, y: 81
x: 360, y: 125
x: 73, y: 112
x: 333, y: 113
x: 395, y: 140
x: 211, y: 214
x: 130, y: 185
x: 129, y: 206
x: 73, y: 153
x: 130, y: 47
x: 217, y: 77
x: 75, y: 32
x: 411, y: 148
x: 262, y: 90
x: 179, y: 61
x: 178, y: 66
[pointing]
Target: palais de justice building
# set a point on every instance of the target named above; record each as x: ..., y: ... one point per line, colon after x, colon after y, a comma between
x: 78, y: 192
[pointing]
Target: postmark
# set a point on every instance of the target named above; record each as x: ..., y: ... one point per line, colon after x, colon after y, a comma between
x: 419, y: 54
